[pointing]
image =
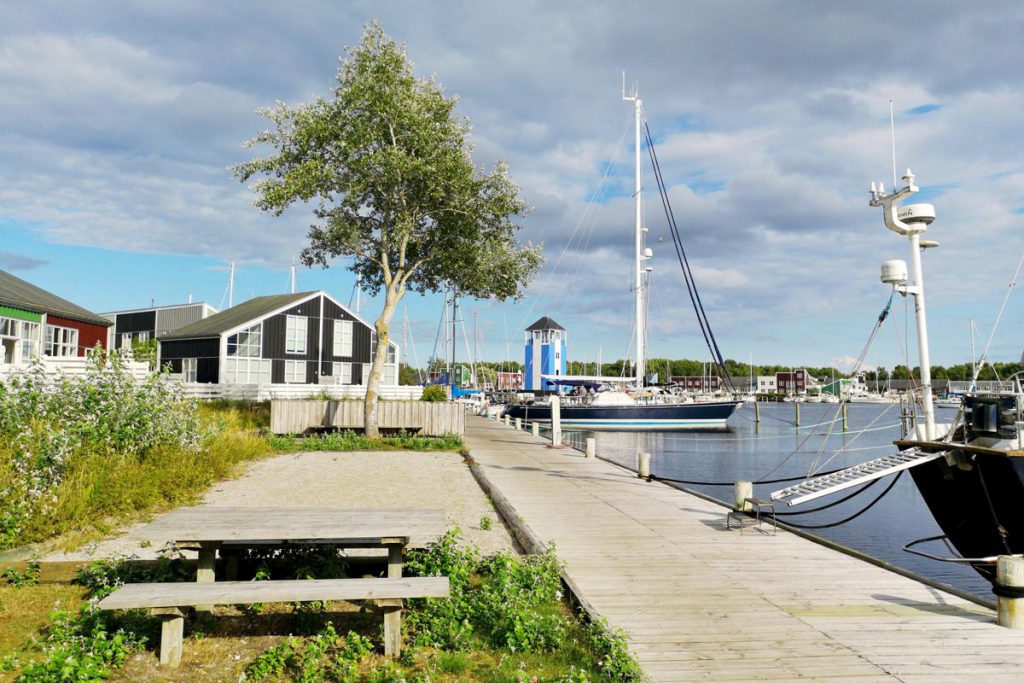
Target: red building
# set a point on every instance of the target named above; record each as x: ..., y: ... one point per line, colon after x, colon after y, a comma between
x: 791, y: 382
x: 508, y: 381
x: 704, y: 385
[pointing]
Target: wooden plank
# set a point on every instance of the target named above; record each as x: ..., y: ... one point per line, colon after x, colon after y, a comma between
x: 149, y: 595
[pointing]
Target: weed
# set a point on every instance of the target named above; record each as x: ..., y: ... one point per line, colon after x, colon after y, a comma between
x: 352, y: 441
x: 27, y: 577
x: 485, y: 523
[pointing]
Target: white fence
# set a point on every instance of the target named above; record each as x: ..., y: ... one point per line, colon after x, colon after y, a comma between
x: 267, y: 392
x: 72, y: 366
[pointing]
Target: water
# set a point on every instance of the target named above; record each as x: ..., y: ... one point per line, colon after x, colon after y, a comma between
x: 777, y: 450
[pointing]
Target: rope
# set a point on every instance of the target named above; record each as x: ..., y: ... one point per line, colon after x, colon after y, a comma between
x: 730, y: 483
x: 833, y: 503
x: 855, y: 515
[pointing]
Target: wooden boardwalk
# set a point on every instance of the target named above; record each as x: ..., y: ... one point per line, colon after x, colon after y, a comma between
x: 700, y: 602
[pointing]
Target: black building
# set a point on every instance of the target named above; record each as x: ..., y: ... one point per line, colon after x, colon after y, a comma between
x: 304, y: 338
x: 154, y: 322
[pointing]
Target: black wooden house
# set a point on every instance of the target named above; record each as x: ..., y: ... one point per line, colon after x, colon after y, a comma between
x: 304, y: 338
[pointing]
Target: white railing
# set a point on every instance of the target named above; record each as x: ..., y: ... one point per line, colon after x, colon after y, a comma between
x: 266, y: 392
x: 72, y: 366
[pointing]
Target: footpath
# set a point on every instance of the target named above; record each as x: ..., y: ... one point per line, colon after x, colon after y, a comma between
x: 698, y: 601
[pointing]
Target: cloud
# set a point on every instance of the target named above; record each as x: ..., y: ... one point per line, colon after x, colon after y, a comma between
x: 13, y: 261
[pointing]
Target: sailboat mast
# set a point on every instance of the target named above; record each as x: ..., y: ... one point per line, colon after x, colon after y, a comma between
x: 641, y: 322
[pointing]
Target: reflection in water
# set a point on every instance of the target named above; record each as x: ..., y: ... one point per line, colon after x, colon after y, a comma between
x: 776, y: 449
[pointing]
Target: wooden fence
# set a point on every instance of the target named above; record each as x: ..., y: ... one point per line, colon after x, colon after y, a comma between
x: 421, y: 417
x: 268, y: 392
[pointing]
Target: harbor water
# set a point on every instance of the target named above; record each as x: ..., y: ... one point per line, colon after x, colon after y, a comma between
x: 777, y: 449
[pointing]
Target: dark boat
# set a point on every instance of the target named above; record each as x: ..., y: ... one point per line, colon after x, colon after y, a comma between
x: 641, y: 416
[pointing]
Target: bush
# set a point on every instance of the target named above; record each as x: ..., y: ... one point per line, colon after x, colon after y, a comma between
x: 434, y: 394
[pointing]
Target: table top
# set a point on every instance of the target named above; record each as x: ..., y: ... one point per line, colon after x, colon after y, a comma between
x: 210, y: 524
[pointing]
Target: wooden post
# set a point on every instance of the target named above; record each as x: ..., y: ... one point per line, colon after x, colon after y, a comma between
x: 643, y: 469
x: 757, y: 410
x: 845, y: 424
x: 395, y: 560
x: 1010, y: 580
x: 507, y: 419
x: 797, y: 404
x: 556, y: 421
x: 205, y: 566
x: 741, y: 491
x: 519, y: 423
x: 591, y: 447
x: 172, y: 629
x: 392, y: 626
x: 535, y: 427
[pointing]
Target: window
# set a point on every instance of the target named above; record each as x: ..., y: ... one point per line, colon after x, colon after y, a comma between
x: 61, y: 341
x: 390, y: 375
x: 342, y: 338
x: 343, y: 373
x: 126, y: 339
x: 248, y: 343
x: 188, y: 369
x: 295, y: 339
x: 246, y: 371
x: 29, y: 340
x: 295, y: 371
x: 144, y: 336
x: 366, y: 373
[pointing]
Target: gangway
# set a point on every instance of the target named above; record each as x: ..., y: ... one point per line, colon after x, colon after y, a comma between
x: 826, y: 484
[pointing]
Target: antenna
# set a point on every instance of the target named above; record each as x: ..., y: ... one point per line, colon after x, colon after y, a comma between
x: 892, y: 131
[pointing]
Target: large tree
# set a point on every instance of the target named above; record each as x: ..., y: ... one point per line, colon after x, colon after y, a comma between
x: 386, y: 165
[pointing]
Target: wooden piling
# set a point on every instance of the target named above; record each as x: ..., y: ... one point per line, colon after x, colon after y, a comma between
x: 507, y: 419
x: 741, y: 491
x: 535, y: 427
x: 643, y: 468
x: 797, y: 404
x: 845, y: 423
x: 519, y: 423
x: 1009, y: 590
x: 591, y: 447
x: 556, y: 421
x: 757, y: 411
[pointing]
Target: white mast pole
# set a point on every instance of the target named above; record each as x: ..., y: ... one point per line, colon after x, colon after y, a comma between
x: 231, y: 286
x: 641, y: 332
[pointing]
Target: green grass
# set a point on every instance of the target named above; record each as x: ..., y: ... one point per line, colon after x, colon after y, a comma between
x: 352, y: 441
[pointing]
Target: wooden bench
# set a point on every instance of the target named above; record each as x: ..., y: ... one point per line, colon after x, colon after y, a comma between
x: 168, y: 600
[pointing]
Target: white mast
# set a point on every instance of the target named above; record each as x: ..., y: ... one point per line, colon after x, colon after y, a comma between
x: 911, y: 221
x: 231, y: 286
x: 641, y: 322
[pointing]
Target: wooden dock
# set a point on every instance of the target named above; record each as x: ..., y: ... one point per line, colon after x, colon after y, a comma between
x: 700, y: 602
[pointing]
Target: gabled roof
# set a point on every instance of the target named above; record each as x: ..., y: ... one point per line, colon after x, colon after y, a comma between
x: 253, y: 309
x: 545, y: 323
x: 17, y: 293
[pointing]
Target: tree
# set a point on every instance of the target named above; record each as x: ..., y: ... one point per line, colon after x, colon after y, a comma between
x: 386, y: 164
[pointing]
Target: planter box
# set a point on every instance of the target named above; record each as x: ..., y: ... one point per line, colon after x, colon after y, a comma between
x: 420, y: 417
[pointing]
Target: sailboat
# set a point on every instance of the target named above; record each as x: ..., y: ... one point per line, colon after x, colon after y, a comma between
x: 625, y: 403
x: 970, y: 472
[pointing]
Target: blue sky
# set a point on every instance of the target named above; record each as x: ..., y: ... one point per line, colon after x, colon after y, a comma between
x: 120, y: 121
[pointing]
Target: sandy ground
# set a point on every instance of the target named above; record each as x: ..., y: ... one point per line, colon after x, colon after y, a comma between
x: 363, y: 480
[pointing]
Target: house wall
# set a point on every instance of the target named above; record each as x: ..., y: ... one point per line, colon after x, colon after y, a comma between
x: 361, y: 337
x: 89, y: 334
x: 170, y: 319
x: 143, y: 321
x: 205, y: 351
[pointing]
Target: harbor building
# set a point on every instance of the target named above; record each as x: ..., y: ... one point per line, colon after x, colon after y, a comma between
x: 545, y: 352
x: 141, y: 324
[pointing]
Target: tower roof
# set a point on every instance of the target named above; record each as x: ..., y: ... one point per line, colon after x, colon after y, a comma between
x: 545, y: 323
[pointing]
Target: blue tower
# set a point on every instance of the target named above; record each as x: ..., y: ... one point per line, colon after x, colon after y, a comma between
x: 545, y: 354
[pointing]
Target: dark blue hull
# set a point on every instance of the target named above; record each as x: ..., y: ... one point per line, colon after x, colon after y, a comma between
x: 648, y: 417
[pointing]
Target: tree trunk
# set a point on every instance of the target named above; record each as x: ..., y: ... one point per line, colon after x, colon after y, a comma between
x: 382, y: 325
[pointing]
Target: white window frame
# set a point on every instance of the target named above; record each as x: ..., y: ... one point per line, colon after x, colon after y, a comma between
x: 295, y: 372
x: 29, y: 340
x: 248, y: 343
x: 245, y: 370
x: 189, y: 370
x: 296, y: 329
x: 342, y: 373
x: 342, y: 347
x: 61, y: 341
x: 366, y: 373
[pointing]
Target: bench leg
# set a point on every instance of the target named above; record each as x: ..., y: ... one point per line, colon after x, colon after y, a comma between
x: 205, y: 568
x: 230, y: 564
x: 395, y: 560
x: 392, y: 627
x: 171, y: 635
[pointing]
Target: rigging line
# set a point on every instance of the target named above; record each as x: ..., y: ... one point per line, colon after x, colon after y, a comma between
x: 999, y: 317
x: 670, y: 215
x: 811, y: 472
x: 604, y: 179
x: 680, y: 254
x: 731, y: 483
x: 440, y: 326
x: 855, y: 515
x: 833, y: 503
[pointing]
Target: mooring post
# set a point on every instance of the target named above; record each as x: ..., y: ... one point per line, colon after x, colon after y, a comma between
x: 535, y: 427
x: 797, y: 404
x: 519, y: 423
x: 643, y: 465
x: 556, y: 421
x: 741, y: 491
x: 757, y: 410
x: 591, y: 447
x: 1009, y: 590
x: 507, y: 419
x: 845, y: 423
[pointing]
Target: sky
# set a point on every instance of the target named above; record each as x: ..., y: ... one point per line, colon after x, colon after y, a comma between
x: 120, y: 122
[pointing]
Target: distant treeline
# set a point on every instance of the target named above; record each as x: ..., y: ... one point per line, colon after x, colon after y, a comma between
x: 664, y: 367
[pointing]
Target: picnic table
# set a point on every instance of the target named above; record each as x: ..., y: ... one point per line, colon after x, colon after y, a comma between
x: 211, y: 528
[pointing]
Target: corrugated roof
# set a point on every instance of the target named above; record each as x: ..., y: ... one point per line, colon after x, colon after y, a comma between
x: 218, y: 323
x: 17, y: 293
x: 545, y: 323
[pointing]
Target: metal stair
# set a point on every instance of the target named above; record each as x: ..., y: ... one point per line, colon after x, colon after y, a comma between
x: 817, y: 487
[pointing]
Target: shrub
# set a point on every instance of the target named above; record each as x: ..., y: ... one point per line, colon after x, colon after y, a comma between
x: 434, y: 393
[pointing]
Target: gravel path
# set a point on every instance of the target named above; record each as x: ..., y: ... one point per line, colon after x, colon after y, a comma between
x: 363, y: 480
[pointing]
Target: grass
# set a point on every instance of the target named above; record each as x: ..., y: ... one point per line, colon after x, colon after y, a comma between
x: 352, y: 441
x: 24, y: 611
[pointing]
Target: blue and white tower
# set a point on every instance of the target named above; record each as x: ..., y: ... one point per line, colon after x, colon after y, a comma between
x: 545, y: 354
